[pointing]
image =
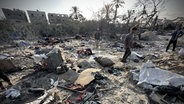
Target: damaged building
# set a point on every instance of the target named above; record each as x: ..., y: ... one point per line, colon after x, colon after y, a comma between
x: 57, y: 18
x: 37, y: 17
x: 15, y: 15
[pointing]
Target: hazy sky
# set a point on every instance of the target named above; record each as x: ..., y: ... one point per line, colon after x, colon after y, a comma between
x: 173, y: 8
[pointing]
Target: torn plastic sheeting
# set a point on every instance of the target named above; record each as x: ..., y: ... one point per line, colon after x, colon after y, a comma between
x: 156, y: 76
x: 39, y: 57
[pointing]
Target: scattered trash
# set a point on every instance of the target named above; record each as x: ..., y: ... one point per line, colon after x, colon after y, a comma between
x: 12, y: 93
x: 136, y: 57
x: 81, y: 97
x: 86, y: 76
x: 181, y: 53
x: 37, y: 91
x: 54, y: 83
x: 114, y: 71
x: 85, y: 52
x: 39, y: 58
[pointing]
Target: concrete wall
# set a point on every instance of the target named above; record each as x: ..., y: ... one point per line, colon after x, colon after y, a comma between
x: 37, y: 17
x: 57, y: 18
x: 15, y: 15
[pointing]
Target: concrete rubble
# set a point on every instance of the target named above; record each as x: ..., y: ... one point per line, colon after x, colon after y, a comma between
x: 55, y: 73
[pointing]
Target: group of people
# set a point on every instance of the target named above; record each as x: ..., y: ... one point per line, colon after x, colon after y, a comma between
x: 129, y: 41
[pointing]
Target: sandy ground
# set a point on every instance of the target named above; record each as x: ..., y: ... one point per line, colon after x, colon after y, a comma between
x: 117, y: 90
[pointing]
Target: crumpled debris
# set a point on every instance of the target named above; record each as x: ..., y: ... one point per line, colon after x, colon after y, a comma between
x: 23, y: 43
x: 38, y: 58
x: 84, y: 52
x: 181, y: 53
x: 149, y: 74
x: 37, y: 91
x: 12, y: 93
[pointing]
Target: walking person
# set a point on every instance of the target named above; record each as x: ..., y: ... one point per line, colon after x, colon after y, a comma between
x: 128, y: 43
x: 97, y: 38
x: 175, y: 35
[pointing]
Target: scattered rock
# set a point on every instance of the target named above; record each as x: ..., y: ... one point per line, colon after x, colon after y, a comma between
x: 84, y: 64
x: 6, y: 65
x: 104, y: 61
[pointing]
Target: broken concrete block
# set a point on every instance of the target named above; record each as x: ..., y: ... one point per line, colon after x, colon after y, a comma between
x: 86, y: 76
x: 6, y: 64
x: 69, y: 76
x: 104, y: 61
x: 54, y: 59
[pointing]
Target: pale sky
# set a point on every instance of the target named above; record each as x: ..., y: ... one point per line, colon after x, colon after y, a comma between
x: 173, y: 9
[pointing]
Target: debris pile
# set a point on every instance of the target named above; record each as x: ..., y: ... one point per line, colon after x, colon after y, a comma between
x: 160, y: 83
x: 73, y: 71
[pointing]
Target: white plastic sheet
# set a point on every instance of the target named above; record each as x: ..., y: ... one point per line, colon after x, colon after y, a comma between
x: 151, y: 75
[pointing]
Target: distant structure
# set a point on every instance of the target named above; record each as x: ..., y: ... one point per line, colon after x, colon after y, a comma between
x: 37, y: 17
x: 15, y: 15
x: 57, y: 18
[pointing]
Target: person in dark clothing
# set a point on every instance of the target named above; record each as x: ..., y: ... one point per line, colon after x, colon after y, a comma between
x: 97, y: 38
x: 5, y: 78
x: 128, y: 43
x: 175, y: 35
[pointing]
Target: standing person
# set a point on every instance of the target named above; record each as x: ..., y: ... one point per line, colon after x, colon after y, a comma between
x: 5, y: 78
x: 128, y: 43
x: 97, y: 38
x: 175, y: 35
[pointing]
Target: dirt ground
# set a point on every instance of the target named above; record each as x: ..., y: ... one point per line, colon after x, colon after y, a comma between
x: 119, y: 89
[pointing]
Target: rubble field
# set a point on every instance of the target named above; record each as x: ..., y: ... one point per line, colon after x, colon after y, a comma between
x: 86, y: 74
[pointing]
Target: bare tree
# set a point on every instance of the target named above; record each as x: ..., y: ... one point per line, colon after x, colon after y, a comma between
x: 151, y: 9
x: 130, y: 13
